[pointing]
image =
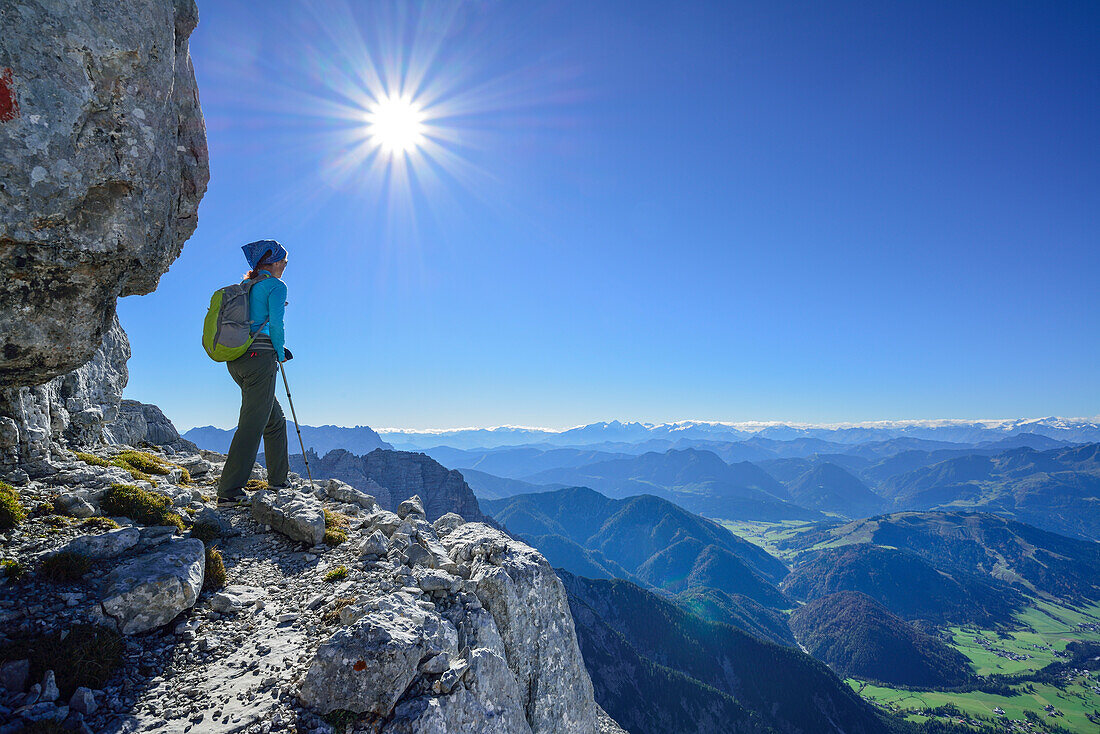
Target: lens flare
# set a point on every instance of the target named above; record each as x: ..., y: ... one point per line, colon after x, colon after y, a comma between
x: 396, y: 125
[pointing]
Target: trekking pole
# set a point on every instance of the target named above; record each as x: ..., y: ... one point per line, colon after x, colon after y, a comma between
x: 296, y: 428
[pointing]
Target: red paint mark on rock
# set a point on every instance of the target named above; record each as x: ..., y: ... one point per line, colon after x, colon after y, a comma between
x: 360, y: 665
x: 9, y: 106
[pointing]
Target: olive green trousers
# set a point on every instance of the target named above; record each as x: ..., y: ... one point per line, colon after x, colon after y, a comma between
x: 261, y: 415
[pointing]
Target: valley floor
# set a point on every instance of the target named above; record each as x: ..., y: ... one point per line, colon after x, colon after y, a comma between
x: 1075, y: 697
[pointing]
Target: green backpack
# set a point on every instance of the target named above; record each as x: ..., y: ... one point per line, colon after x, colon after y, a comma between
x: 227, y: 330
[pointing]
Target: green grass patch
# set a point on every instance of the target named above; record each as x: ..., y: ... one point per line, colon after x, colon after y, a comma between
x: 340, y: 720
x: 11, y: 569
x: 205, y: 531
x: 215, y: 576
x: 84, y: 655
x: 337, y: 574
x: 12, y: 511
x: 100, y: 523
x: 92, y: 459
x: 767, y: 535
x: 65, y: 567
x: 335, y: 527
x: 334, y: 537
x: 1074, y: 702
x: 147, y: 508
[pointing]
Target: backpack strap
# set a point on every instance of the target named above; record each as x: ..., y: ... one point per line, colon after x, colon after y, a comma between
x: 248, y: 292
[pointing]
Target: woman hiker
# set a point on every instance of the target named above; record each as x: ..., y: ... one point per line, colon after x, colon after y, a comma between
x: 255, y: 372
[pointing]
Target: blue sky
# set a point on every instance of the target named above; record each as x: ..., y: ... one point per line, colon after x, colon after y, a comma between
x: 652, y: 211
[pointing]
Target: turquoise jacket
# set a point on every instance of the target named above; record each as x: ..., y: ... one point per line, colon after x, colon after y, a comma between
x: 267, y: 300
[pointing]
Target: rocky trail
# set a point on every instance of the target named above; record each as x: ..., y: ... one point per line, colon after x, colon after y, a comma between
x: 334, y: 614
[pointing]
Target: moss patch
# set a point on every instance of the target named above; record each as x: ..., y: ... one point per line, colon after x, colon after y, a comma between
x: 92, y: 459
x: 335, y: 524
x: 215, y: 576
x: 141, y: 465
x: 255, y: 485
x: 337, y: 574
x: 100, y: 523
x: 65, y: 567
x: 84, y: 655
x: 340, y: 720
x: 335, y: 537
x: 147, y: 508
x: 11, y: 569
x: 56, y: 521
x: 335, y: 520
x: 205, y: 531
x: 12, y: 511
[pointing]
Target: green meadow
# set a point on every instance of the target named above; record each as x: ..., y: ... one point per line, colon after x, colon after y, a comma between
x: 768, y: 534
x: 1052, y: 627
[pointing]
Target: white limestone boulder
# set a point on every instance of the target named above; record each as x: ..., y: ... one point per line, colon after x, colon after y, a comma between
x: 152, y: 589
x: 297, y: 516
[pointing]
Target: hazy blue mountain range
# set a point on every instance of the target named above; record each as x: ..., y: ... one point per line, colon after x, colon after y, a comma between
x: 696, y: 480
x: 1072, y: 430
x: 831, y: 488
x: 322, y: 439
x: 1057, y: 489
x: 657, y: 668
x: 490, y: 487
x: 857, y: 636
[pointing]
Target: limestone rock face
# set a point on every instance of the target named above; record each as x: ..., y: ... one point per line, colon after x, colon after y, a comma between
x: 103, y: 161
x: 493, y: 651
x: 139, y: 423
x: 70, y: 410
x: 392, y: 477
x: 529, y: 605
x: 153, y: 588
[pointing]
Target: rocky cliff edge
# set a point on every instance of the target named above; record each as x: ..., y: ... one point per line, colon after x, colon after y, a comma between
x: 333, y: 613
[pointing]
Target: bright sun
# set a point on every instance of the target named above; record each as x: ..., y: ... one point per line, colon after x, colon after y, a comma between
x: 396, y: 125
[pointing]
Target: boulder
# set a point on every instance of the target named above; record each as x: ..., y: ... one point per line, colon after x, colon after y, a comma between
x: 106, y: 545
x: 210, y: 516
x: 297, y: 516
x: 152, y: 589
x: 492, y: 705
x: 374, y: 544
x: 195, y: 465
x: 342, y: 492
x: 83, y: 701
x: 383, y: 521
x: 447, y: 522
x: 104, y: 163
x: 412, y: 506
x: 367, y: 666
x: 236, y: 597
x: 13, y: 675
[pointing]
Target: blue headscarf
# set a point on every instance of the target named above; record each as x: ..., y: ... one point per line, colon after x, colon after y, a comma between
x: 263, y: 252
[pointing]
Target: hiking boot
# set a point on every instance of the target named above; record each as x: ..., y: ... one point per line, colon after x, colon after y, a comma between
x: 234, y: 500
